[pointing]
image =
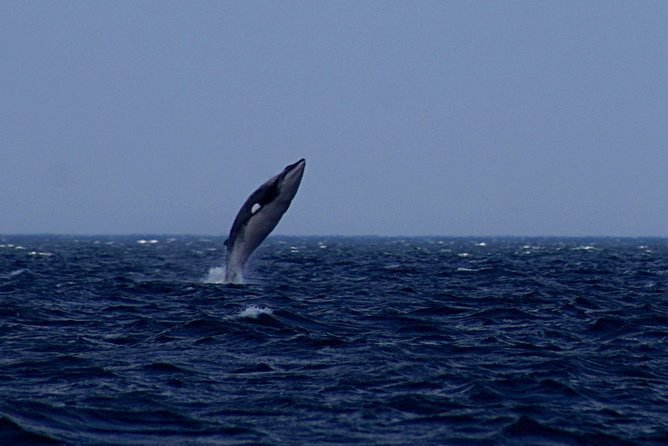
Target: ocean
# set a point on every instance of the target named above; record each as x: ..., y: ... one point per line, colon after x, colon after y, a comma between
x: 114, y: 340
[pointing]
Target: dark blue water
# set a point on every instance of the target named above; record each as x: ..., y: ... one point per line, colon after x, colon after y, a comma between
x: 127, y: 340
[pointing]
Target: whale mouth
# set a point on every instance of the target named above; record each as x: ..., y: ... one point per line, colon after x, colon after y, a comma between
x: 292, y: 166
x: 298, y: 166
x: 294, y: 172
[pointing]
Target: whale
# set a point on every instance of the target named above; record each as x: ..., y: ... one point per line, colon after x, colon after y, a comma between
x: 259, y: 216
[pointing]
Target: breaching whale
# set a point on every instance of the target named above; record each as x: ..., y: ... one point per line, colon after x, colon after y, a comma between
x: 259, y: 216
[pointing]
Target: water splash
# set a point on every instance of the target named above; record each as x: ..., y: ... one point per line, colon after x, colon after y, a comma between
x: 216, y: 275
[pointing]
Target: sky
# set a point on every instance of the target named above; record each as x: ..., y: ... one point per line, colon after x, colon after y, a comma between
x: 452, y: 118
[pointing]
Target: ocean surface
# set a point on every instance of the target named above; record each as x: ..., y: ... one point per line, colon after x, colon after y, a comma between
x: 365, y: 341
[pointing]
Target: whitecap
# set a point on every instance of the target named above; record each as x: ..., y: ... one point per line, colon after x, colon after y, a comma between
x: 254, y: 311
x: 585, y: 248
x: 37, y: 253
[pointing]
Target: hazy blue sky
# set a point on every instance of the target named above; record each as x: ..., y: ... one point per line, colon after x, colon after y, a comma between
x: 416, y: 118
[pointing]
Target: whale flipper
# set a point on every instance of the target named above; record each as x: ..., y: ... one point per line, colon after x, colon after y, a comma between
x: 259, y: 216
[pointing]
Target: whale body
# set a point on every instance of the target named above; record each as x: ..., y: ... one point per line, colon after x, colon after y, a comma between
x: 259, y: 216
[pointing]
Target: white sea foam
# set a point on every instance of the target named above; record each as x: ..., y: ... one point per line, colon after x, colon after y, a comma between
x: 254, y: 311
x: 586, y: 248
x: 16, y: 273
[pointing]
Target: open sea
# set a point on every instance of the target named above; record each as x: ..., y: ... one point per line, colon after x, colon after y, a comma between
x: 352, y: 341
